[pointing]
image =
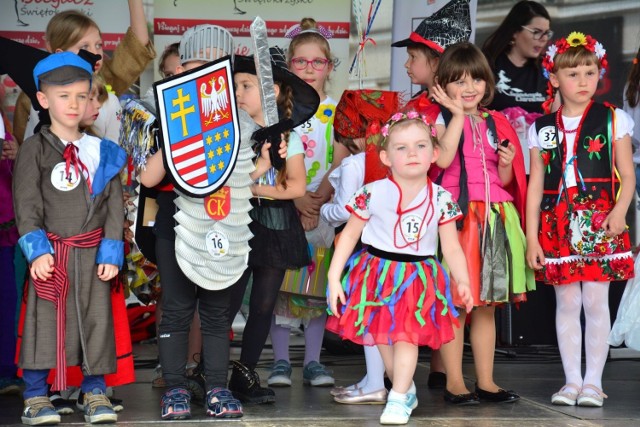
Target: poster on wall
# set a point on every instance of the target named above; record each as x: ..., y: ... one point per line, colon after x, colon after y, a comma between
x: 25, y: 21
x: 173, y: 17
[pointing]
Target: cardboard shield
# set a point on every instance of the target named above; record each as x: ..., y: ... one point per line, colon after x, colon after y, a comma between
x: 199, y: 127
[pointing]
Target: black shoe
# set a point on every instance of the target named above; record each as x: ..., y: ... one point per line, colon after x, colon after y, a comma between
x: 500, y: 396
x: 245, y: 385
x: 196, y: 385
x: 437, y: 380
x: 62, y: 406
x: 461, y: 399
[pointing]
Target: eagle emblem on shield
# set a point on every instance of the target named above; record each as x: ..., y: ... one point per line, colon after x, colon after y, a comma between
x: 199, y: 127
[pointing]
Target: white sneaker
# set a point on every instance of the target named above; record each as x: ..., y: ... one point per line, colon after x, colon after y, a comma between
x: 398, y: 408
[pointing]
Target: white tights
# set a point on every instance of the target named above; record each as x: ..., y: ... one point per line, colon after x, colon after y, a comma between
x: 594, y: 297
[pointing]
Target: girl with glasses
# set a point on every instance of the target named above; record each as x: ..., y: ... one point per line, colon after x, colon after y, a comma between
x: 309, y: 57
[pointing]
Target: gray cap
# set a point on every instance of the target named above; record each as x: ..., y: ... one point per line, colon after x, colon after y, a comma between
x: 205, y: 43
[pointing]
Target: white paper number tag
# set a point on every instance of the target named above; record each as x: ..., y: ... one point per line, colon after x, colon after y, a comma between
x: 63, y: 181
x: 411, y: 228
x: 217, y: 244
x: 547, y: 137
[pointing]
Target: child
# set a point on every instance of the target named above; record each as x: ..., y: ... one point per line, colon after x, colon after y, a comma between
x: 581, y: 168
x: 9, y: 285
x: 309, y: 57
x: 169, y: 60
x: 487, y: 179
x: 631, y: 105
x: 63, y: 219
x: 168, y: 66
x: 278, y: 241
x: 394, y: 285
x: 451, y: 24
x: 180, y: 296
x: 360, y: 115
x: 72, y: 30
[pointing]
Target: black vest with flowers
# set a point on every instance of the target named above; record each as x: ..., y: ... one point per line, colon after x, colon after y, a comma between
x: 593, y: 156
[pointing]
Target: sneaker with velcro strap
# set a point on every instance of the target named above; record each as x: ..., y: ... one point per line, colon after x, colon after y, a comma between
x: 98, y: 408
x: 39, y: 411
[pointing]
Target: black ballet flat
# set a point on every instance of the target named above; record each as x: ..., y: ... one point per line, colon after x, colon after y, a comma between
x: 437, y: 380
x: 461, y: 399
x: 500, y: 396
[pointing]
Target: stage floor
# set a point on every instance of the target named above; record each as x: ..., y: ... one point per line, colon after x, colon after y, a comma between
x: 534, y: 372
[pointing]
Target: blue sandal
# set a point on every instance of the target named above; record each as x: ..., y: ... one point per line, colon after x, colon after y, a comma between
x: 222, y: 404
x: 176, y: 404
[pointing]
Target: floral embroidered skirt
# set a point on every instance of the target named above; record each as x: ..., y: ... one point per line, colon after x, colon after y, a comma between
x: 389, y: 301
x: 495, y: 255
x: 563, y: 265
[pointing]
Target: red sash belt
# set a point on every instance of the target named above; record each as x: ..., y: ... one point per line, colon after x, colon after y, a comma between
x: 56, y: 288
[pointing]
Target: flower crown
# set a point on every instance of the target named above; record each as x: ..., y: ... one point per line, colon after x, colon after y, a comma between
x: 297, y: 30
x: 575, y: 39
x: 410, y: 115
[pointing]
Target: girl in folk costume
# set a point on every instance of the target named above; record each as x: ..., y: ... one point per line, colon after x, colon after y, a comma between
x: 278, y: 241
x: 360, y: 115
x: 581, y: 185
x: 309, y: 57
x: 451, y: 24
x: 395, y: 294
x: 484, y: 170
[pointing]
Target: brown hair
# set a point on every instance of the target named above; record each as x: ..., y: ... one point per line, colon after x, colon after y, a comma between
x: 169, y: 50
x: 66, y: 28
x: 574, y: 57
x: 97, y: 82
x: 349, y: 143
x: 465, y: 58
x: 426, y: 50
x: 632, y: 94
x: 285, y: 105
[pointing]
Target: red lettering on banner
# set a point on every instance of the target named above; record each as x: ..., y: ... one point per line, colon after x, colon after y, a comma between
x: 57, y: 3
x: 171, y: 26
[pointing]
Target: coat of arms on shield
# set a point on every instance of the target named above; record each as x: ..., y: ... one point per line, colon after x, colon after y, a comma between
x: 199, y: 127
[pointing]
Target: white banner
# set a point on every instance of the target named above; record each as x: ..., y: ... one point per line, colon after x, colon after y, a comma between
x: 407, y: 15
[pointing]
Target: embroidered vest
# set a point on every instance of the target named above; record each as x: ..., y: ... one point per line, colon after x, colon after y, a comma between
x: 593, y: 156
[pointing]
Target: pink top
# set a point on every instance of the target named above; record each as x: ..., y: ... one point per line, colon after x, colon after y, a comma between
x: 474, y: 166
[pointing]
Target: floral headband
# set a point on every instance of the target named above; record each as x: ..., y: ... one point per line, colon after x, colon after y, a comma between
x: 410, y: 115
x: 575, y: 39
x: 297, y: 30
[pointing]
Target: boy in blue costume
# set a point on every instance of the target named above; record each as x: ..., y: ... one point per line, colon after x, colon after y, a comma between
x: 69, y: 211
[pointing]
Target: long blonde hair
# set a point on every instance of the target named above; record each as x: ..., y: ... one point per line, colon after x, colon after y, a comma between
x: 67, y: 28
